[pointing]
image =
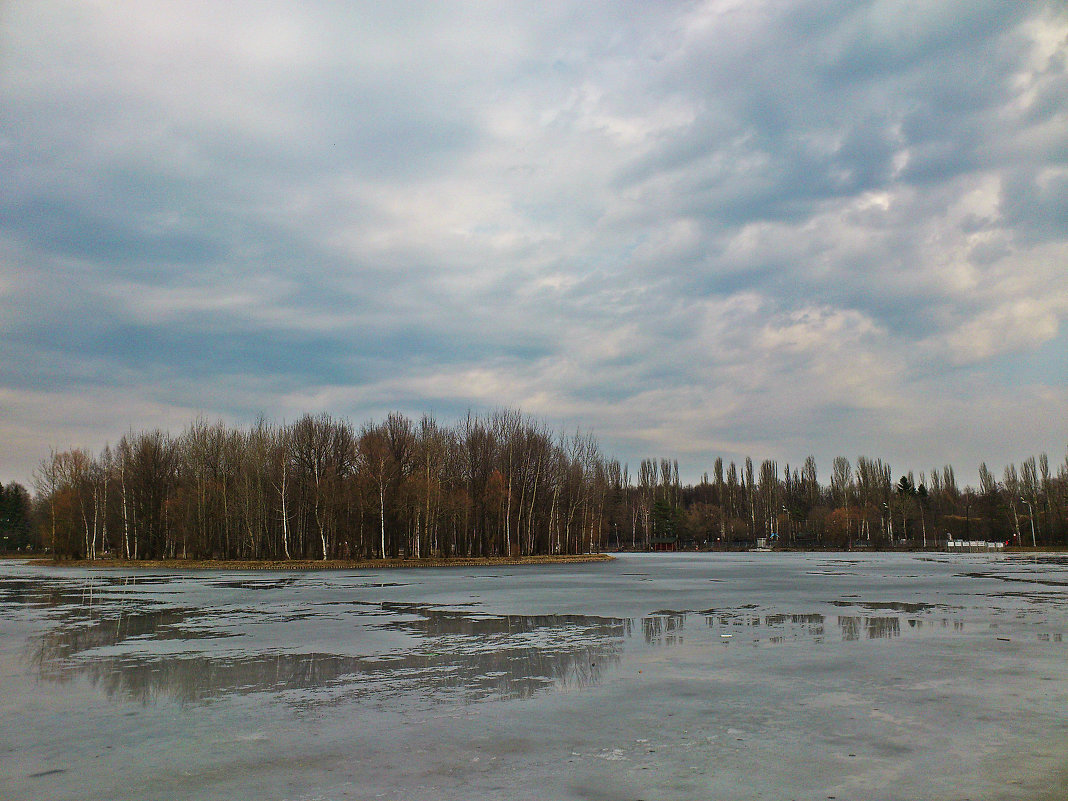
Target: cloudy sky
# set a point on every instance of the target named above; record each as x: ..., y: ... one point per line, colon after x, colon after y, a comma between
x: 697, y: 229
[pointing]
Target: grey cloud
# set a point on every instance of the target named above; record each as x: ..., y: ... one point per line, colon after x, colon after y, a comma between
x: 1037, y: 206
x: 72, y: 230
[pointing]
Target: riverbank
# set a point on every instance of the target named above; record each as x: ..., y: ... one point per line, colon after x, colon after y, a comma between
x: 320, y: 564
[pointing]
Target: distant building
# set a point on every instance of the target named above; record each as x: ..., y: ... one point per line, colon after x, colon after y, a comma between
x: 970, y: 546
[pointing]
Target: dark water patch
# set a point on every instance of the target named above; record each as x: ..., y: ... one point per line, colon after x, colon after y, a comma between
x: 147, y: 579
x: 17, y: 592
x: 77, y: 636
x: 42, y: 773
x: 892, y: 606
x: 430, y: 621
x: 856, y: 562
x: 1021, y: 579
x: 1035, y: 597
x: 1056, y: 559
x: 430, y: 674
x: 436, y: 666
x: 258, y: 584
x: 447, y: 652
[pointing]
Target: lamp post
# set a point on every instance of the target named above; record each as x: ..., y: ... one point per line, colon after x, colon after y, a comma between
x: 1031, y: 516
x: 1016, y: 523
x: 968, y: 517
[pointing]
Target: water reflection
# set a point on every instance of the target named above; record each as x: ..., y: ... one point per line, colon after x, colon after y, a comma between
x: 453, y: 654
x: 776, y: 627
x: 518, y: 673
x: 664, y: 628
x: 154, y: 643
x: 871, y: 627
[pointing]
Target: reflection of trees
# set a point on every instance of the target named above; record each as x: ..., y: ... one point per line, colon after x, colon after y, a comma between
x: 517, y: 673
x: 432, y: 622
x: 664, y: 628
x: 458, y: 655
x: 809, y: 624
x: 79, y: 634
x: 806, y: 625
x: 115, y: 640
x: 873, y: 627
x: 29, y: 593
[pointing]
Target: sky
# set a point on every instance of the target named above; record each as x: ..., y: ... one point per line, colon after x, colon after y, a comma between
x: 731, y: 228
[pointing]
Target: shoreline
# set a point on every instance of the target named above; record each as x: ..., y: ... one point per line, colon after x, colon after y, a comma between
x: 429, y: 562
x: 319, y: 564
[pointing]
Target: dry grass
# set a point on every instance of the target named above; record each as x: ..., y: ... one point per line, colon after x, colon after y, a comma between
x: 319, y: 564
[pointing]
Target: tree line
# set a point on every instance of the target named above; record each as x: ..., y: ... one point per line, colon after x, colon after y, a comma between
x: 492, y: 485
x: 16, y: 515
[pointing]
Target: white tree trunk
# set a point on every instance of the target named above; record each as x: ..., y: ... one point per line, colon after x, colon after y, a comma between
x: 382, y: 513
x: 285, y: 515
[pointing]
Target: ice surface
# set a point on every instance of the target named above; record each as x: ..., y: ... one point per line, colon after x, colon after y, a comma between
x: 736, y: 676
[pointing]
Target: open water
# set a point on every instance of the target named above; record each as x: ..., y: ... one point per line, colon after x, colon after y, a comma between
x: 654, y: 676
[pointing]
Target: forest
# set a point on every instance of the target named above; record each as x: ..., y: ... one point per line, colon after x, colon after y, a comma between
x: 500, y: 484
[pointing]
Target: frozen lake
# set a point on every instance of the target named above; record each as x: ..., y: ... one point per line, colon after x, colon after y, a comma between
x: 698, y: 676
